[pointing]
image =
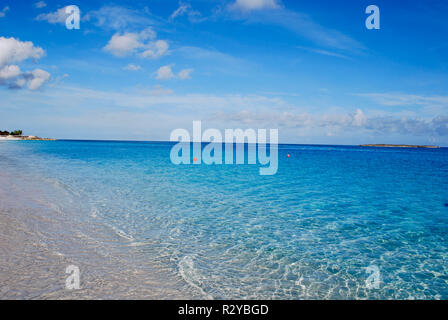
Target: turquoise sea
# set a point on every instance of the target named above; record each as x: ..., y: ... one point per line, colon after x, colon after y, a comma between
x: 223, y: 231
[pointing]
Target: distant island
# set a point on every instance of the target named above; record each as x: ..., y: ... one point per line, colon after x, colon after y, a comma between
x: 17, y: 135
x: 397, y: 146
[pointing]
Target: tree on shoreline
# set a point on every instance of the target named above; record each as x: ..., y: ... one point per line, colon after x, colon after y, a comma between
x: 13, y: 133
x: 16, y: 133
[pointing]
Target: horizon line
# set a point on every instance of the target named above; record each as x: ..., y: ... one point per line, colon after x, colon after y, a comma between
x: 298, y: 144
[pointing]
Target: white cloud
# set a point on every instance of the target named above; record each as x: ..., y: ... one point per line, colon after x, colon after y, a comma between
x: 59, y: 80
x: 123, y: 44
x: 8, y: 72
x: 249, y: 5
x: 15, y: 51
x: 59, y: 16
x: 185, y: 74
x: 12, y: 77
x: 119, y: 18
x: 3, y: 12
x: 12, y: 51
x: 155, y: 49
x: 401, y: 99
x: 148, y: 34
x: 166, y: 73
x: 40, y: 4
x: 338, y: 124
x: 39, y: 77
x: 132, y: 67
x: 324, y: 52
x: 156, y: 112
x: 185, y: 9
x: 134, y: 99
x: 160, y: 91
x: 359, y: 119
x: 297, y: 22
x: 127, y: 43
x: 19, y: 83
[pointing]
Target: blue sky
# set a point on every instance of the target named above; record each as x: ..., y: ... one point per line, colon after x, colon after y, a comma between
x: 139, y: 69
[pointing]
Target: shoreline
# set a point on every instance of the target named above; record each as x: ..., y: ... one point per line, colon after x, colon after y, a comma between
x: 41, y: 238
x: 24, y: 138
x: 399, y: 146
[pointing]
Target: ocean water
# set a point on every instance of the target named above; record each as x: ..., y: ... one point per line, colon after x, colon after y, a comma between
x: 312, y: 231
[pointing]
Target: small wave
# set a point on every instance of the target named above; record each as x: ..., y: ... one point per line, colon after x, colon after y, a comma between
x: 188, y: 272
x: 62, y: 186
x: 94, y: 212
x: 123, y: 234
x: 59, y: 254
x: 138, y: 244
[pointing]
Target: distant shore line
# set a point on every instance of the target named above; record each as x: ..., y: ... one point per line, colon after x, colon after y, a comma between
x: 15, y: 138
x: 398, y: 146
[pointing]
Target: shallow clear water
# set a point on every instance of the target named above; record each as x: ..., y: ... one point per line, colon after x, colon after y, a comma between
x: 310, y: 231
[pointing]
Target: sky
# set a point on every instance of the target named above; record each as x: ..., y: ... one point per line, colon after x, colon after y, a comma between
x: 137, y: 70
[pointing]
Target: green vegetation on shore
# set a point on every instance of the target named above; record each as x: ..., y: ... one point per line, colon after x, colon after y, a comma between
x: 17, y: 135
x: 12, y: 133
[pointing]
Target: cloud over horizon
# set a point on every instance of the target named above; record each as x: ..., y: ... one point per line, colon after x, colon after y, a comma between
x: 250, y: 111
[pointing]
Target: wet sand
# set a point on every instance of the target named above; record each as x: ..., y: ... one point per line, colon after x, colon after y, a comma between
x: 37, y: 243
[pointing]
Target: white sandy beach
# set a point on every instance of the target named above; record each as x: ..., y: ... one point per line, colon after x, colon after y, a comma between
x: 8, y: 138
